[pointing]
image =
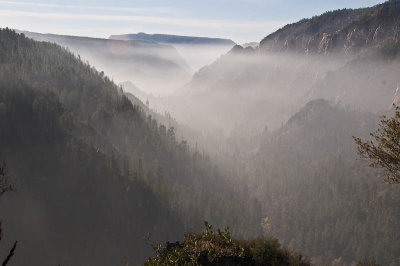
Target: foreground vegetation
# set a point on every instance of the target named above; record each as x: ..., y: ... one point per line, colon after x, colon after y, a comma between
x: 384, y: 151
x: 5, y: 186
x: 219, y: 248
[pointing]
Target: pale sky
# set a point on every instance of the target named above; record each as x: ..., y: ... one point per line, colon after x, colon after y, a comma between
x: 239, y: 20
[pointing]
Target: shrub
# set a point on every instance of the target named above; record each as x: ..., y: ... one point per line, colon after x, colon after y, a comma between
x: 219, y: 248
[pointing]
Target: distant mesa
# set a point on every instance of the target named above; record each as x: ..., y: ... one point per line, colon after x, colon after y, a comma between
x: 158, y: 68
x: 173, y: 39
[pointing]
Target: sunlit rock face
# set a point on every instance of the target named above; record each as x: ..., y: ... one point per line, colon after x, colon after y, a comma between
x: 349, y: 31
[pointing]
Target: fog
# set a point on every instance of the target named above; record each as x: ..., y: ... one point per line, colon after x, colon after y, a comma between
x: 269, y: 88
x: 198, y: 56
x: 245, y: 91
x: 151, y: 139
x: 155, y: 68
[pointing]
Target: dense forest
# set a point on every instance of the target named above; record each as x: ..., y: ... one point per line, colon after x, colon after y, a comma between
x: 318, y: 196
x: 71, y: 138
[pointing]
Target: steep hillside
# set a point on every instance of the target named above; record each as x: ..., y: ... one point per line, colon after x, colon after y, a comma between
x: 347, y: 30
x: 318, y: 197
x: 73, y: 196
x: 158, y: 68
x: 74, y: 204
x: 95, y: 175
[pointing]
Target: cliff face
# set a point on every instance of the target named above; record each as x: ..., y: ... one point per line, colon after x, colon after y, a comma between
x: 347, y: 30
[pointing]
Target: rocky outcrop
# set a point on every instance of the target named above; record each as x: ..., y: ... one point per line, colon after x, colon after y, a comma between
x: 396, y: 98
x: 348, y: 31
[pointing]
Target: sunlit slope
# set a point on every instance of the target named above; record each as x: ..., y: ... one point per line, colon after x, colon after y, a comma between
x: 345, y: 31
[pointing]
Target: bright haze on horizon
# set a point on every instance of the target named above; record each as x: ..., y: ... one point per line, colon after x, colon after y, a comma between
x: 242, y: 20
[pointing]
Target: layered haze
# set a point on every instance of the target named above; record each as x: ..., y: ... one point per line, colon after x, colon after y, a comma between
x: 121, y: 143
x: 250, y: 88
x: 197, y: 51
x: 157, y: 68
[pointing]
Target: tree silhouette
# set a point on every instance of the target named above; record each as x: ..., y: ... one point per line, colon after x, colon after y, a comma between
x: 385, y: 151
x: 4, y: 187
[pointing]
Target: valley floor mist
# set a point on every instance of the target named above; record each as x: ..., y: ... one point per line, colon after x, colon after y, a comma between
x: 172, y: 149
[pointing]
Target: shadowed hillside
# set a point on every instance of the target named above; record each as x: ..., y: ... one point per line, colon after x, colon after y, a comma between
x: 95, y: 175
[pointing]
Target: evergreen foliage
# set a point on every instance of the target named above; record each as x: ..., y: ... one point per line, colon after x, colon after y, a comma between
x: 386, y: 152
x: 219, y: 248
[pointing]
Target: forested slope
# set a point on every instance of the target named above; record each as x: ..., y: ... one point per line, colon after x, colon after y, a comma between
x: 94, y: 175
x: 318, y: 197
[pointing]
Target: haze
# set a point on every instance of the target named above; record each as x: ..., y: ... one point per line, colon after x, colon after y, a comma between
x: 134, y: 133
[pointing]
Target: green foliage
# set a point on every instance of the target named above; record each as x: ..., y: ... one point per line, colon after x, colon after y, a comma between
x: 386, y: 152
x: 268, y: 251
x: 219, y: 248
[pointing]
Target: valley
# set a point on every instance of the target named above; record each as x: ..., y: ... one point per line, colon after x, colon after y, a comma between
x: 120, y: 150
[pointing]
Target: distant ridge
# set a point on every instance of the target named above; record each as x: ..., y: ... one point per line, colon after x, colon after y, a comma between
x: 172, y: 39
x: 345, y: 30
x: 156, y: 67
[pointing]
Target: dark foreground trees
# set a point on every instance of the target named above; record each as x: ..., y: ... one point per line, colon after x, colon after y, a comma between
x: 4, y: 181
x: 219, y: 248
x: 385, y: 151
x: 4, y: 187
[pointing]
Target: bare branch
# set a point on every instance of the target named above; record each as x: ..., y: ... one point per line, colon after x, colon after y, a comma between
x: 10, y: 254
